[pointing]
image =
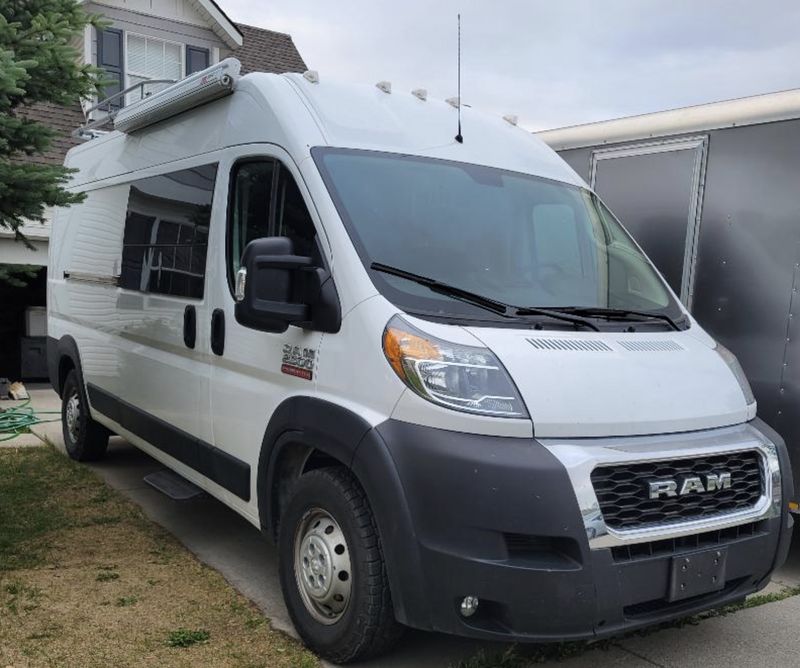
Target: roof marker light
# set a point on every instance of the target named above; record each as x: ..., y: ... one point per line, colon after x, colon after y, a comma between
x: 511, y: 118
x: 454, y: 102
x: 312, y: 76
x: 385, y: 86
x: 420, y: 94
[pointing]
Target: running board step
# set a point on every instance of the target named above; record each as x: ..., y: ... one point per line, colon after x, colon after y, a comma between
x: 172, y: 485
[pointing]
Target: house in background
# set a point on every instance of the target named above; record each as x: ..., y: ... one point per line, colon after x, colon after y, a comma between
x: 145, y: 40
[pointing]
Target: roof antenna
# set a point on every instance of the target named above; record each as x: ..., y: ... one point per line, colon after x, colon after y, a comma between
x: 459, y: 138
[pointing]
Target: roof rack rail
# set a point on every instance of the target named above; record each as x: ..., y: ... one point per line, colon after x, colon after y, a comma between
x: 179, y: 96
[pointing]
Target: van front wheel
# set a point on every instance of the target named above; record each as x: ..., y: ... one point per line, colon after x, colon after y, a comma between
x: 84, y: 439
x: 332, y: 570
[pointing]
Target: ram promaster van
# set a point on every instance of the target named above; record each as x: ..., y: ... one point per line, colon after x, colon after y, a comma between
x: 437, y: 373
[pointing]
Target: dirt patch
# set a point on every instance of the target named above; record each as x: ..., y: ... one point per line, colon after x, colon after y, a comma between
x: 87, y: 580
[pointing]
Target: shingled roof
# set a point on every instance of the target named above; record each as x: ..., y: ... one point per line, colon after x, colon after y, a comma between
x: 267, y: 51
x: 61, y: 119
x: 262, y: 51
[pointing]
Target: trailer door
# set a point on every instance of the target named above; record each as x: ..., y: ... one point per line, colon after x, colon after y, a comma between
x: 655, y: 189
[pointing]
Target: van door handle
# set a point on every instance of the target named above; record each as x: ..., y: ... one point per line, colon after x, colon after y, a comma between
x: 189, y: 326
x: 218, y: 331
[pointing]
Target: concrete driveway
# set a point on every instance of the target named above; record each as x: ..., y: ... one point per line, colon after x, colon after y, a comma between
x: 760, y: 636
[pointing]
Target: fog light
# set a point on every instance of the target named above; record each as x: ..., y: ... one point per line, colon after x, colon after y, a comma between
x: 469, y: 606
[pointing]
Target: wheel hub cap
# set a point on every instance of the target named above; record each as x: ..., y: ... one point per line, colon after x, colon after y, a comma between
x: 322, y: 566
x: 72, y: 413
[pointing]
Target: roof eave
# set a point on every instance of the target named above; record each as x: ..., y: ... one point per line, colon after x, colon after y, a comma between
x: 222, y: 26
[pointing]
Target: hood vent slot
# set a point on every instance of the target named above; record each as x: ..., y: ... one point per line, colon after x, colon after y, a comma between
x: 651, y: 346
x: 570, y: 345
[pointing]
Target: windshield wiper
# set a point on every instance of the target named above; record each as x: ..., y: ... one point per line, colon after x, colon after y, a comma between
x: 617, y: 314
x: 506, y: 310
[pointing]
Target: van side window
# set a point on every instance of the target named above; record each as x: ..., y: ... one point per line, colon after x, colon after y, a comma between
x: 265, y: 201
x: 166, y: 233
x: 251, y: 195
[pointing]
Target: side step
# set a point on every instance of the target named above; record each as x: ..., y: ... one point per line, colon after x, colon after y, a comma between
x: 174, y: 486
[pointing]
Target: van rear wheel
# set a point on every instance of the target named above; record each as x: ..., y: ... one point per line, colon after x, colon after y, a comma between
x: 332, y: 570
x: 84, y: 439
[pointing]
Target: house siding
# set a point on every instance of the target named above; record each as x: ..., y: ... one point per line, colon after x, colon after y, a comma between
x: 154, y: 26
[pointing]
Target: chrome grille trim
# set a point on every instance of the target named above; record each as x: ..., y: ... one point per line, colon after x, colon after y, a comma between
x: 625, y: 503
x: 582, y: 455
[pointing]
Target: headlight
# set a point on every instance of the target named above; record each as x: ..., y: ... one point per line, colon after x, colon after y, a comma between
x: 464, y: 378
x: 738, y: 372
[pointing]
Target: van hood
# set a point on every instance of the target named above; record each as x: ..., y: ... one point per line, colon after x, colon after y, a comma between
x: 620, y: 383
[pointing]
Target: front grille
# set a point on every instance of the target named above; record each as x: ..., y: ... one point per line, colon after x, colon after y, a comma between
x: 623, y: 489
x: 670, y: 547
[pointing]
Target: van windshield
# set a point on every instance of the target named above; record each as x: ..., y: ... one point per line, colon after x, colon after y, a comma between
x: 510, y: 237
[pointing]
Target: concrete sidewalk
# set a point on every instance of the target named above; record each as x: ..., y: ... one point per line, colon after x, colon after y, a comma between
x: 762, y: 636
x: 47, y: 406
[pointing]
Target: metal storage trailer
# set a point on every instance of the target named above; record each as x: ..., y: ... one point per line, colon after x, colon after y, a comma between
x: 712, y: 194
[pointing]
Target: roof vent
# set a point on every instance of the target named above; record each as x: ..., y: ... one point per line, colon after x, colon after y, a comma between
x: 385, y: 86
x: 453, y: 102
x: 570, y: 345
x: 312, y: 76
x: 511, y: 118
x: 420, y: 94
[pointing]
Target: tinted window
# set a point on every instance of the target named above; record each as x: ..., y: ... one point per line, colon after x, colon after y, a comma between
x: 265, y: 201
x: 166, y: 233
x: 250, y: 206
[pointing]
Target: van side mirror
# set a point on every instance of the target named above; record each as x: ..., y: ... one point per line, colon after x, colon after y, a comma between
x: 276, y: 288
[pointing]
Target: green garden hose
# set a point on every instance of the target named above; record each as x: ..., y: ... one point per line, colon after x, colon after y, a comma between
x: 19, y: 420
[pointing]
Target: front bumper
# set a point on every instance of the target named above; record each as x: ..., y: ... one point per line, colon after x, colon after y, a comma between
x: 500, y: 518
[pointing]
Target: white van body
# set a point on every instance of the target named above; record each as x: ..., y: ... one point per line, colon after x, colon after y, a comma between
x: 591, y: 398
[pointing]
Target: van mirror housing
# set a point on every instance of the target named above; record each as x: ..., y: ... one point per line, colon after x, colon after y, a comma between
x: 276, y: 288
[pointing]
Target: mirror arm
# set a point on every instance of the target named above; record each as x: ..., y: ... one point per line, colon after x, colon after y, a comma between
x: 286, y: 311
x: 282, y: 261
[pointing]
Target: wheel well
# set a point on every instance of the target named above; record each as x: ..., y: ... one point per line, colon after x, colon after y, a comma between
x: 293, y: 462
x: 65, y: 365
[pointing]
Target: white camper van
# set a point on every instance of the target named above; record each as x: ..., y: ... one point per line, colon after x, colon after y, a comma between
x: 438, y: 373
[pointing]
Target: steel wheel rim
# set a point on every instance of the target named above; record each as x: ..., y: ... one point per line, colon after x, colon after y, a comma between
x: 72, y: 412
x: 322, y: 566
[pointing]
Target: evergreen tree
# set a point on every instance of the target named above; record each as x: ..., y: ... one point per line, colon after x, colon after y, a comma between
x: 39, y: 62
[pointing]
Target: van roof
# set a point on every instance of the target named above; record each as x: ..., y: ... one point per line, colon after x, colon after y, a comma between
x: 766, y: 108
x: 293, y: 112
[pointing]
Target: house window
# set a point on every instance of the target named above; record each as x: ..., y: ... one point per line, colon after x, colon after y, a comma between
x: 196, y: 59
x: 149, y: 58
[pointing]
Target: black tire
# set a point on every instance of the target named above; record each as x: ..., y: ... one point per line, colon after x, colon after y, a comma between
x: 87, y: 441
x: 367, y: 626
